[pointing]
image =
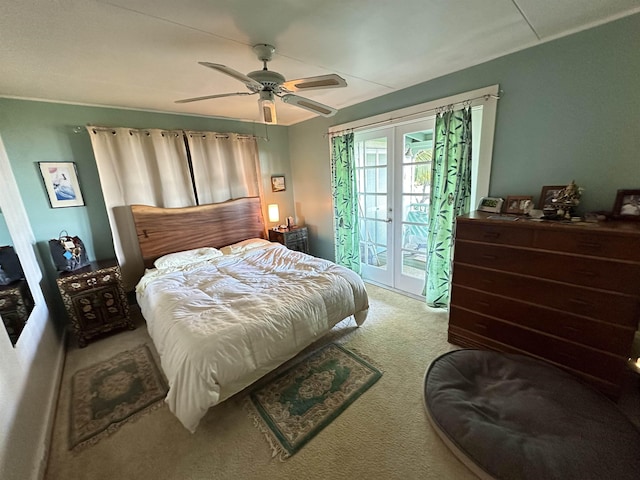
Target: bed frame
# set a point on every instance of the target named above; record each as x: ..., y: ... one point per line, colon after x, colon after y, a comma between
x: 167, y: 230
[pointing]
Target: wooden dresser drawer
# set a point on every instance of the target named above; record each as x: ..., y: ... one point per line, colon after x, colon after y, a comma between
x: 597, y: 334
x: 579, y: 357
x: 621, y: 277
x: 602, y: 305
x: 498, y: 233
x: 597, y: 244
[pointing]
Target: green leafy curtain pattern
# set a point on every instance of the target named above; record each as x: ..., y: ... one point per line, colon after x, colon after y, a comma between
x: 345, y: 202
x: 450, y: 197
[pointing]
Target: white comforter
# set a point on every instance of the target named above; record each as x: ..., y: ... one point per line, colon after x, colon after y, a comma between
x: 221, y: 324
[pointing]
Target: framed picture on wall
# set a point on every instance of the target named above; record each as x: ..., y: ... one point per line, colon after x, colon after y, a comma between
x: 277, y: 183
x: 61, y: 184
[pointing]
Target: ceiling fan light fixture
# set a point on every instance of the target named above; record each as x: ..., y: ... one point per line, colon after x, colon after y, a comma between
x: 267, y: 107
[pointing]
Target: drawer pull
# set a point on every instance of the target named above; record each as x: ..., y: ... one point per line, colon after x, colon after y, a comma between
x: 489, y: 257
x: 491, y: 235
x: 587, y: 273
x: 482, y: 326
x: 573, y: 329
x: 578, y: 301
x: 482, y: 304
x: 589, y: 245
x: 566, y: 355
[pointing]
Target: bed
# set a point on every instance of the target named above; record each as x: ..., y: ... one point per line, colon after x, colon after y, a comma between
x: 224, y: 306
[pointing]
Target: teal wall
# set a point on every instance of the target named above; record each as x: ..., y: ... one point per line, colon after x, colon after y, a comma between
x: 39, y: 132
x: 570, y: 110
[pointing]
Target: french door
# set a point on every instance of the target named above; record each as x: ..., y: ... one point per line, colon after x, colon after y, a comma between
x: 393, y: 167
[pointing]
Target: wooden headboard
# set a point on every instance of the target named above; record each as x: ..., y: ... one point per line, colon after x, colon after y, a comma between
x: 167, y: 230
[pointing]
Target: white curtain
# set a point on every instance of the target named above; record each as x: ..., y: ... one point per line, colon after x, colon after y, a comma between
x: 147, y: 167
x: 225, y: 166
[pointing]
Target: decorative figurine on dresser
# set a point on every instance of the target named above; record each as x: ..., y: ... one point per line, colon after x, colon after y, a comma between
x: 95, y: 299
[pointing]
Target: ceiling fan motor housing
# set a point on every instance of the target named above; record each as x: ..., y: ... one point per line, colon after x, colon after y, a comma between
x: 269, y: 79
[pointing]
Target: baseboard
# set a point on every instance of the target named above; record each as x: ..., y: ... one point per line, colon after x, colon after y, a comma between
x: 54, y: 397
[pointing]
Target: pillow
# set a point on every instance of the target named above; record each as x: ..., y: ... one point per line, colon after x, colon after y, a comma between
x: 186, y: 257
x: 244, y: 246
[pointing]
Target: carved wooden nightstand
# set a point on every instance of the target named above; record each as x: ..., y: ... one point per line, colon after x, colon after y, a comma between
x: 95, y: 299
x: 294, y: 238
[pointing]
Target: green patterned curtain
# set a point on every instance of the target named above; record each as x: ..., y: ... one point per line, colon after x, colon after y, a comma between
x: 450, y: 197
x: 345, y: 202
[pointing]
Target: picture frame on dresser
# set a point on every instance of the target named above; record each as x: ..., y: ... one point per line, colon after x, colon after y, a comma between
x: 547, y: 194
x: 516, y: 204
x: 627, y: 205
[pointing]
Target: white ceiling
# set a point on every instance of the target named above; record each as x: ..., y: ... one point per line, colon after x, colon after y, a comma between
x: 143, y: 54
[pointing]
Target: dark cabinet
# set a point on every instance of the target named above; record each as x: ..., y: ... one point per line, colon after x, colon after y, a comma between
x: 294, y: 238
x: 95, y: 300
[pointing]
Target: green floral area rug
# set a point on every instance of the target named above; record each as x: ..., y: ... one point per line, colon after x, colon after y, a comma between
x: 298, y: 403
x: 111, y: 393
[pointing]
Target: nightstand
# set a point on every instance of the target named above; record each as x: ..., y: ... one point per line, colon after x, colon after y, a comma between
x: 95, y: 299
x: 294, y: 238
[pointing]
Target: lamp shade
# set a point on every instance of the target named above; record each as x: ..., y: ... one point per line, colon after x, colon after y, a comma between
x: 274, y: 213
x: 267, y: 107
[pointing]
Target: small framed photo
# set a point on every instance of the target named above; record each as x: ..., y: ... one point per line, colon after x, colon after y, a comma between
x: 61, y: 183
x: 627, y: 206
x: 547, y: 194
x: 517, y: 204
x: 490, y: 204
x: 277, y: 183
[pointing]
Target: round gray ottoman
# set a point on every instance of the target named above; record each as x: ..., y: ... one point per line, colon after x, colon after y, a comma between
x: 513, y: 417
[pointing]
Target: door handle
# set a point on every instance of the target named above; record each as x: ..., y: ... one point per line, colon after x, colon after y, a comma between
x: 388, y: 220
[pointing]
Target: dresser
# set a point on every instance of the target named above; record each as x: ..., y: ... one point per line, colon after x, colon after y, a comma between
x: 95, y: 300
x: 294, y: 238
x: 567, y: 293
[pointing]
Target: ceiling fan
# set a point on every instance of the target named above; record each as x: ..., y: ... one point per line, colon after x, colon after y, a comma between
x: 269, y: 84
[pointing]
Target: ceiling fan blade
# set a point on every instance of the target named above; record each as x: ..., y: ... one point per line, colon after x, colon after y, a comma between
x: 207, y: 97
x: 310, y: 105
x: 313, y: 83
x: 248, y: 81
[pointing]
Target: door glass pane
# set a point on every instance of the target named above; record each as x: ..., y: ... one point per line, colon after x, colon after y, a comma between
x: 375, y: 152
x: 413, y: 264
x: 381, y: 180
x: 416, y: 178
x: 371, y: 173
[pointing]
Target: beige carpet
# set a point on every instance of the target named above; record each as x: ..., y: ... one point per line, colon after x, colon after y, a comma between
x: 384, y: 435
